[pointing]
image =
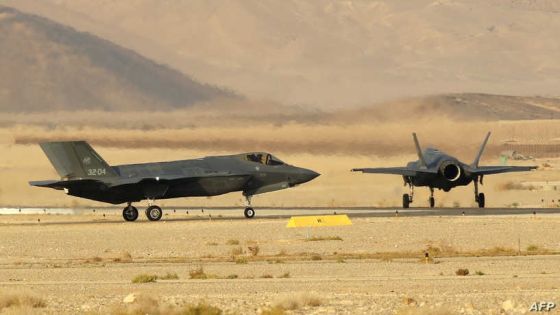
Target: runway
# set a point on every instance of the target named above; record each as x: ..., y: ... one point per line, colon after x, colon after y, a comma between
x: 113, y: 214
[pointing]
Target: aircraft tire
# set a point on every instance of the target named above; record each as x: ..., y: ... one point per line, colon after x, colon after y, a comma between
x: 405, y: 201
x: 481, y: 200
x: 249, y: 212
x: 130, y: 213
x: 154, y: 213
x: 432, y: 202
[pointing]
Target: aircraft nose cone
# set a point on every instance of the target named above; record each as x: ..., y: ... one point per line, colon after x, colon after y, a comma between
x: 308, y: 175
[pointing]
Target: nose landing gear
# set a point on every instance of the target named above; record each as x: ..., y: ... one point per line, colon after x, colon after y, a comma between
x: 249, y: 211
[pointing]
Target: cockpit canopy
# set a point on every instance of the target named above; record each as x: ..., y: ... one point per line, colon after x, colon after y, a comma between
x: 264, y: 158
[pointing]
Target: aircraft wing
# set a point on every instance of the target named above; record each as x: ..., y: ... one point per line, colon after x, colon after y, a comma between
x: 61, y: 184
x: 487, y: 170
x: 404, y: 171
x: 164, y: 179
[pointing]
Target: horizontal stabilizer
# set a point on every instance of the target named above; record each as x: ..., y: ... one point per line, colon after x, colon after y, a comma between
x: 404, y: 171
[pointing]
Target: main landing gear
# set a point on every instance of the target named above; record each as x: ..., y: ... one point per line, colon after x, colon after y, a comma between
x: 249, y: 211
x: 153, y: 213
x: 408, y: 198
x: 479, y: 197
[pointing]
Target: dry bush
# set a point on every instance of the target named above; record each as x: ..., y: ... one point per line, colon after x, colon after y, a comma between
x: 510, y: 185
x: 198, y: 273
x: 124, y: 257
x: 267, y: 276
x: 212, y: 244
x: 144, y: 278
x: 532, y: 248
x: 413, y: 310
x: 316, y: 257
x: 232, y: 276
x: 169, y: 276
x: 93, y: 260
x: 462, y: 272
x: 241, y: 260
x: 295, y: 302
x: 200, y: 309
x: 236, y: 251
x: 254, y: 250
x: 19, y: 299
x: 232, y: 242
x: 148, y: 305
x: 479, y: 273
x: 276, y: 310
x: 285, y: 275
x: 324, y: 238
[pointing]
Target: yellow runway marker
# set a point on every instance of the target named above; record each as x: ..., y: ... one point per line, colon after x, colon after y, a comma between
x: 319, y: 220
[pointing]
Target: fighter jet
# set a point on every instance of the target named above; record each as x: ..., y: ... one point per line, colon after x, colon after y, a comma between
x: 85, y: 174
x: 436, y: 169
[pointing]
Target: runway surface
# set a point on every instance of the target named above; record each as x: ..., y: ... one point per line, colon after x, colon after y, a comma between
x: 113, y: 214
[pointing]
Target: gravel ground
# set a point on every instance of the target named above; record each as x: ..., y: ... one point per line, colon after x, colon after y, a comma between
x: 80, y: 264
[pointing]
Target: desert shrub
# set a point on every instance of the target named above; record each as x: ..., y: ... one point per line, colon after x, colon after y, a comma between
x: 236, y: 251
x: 276, y: 310
x: 267, y: 276
x: 241, y: 260
x: 144, y: 278
x: 198, y: 273
x: 462, y: 272
x: 254, y: 250
x: 316, y: 257
x: 295, y: 302
x: 170, y: 276
x: 479, y: 273
x: 232, y: 276
x: 20, y: 299
x: 212, y: 244
x: 232, y: 242
x: 532, y: 248
x: 324, y: 238
x: 285, y: 275
x: 200, y: 309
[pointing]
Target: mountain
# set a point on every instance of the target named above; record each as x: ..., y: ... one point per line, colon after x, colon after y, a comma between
x: 46, y: 66
x: 334, y: 53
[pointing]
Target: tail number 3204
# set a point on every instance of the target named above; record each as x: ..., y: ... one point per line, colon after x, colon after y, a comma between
x: 96, y: 172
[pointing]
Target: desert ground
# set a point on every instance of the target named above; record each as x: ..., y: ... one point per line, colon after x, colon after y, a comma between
x: 68, y: 264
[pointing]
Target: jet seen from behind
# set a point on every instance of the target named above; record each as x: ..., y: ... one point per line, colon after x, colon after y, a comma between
x: 436, y: 169
x: 86, y: 175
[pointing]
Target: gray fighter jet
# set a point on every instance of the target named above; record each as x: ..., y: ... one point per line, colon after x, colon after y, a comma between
x: 436, y: 169
x: 85, y: 174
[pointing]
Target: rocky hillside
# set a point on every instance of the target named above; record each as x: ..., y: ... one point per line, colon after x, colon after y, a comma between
x: 47, y: 66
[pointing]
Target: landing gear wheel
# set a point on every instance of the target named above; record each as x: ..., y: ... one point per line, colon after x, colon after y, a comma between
x: 481, y: 200
x: 405, y: 201
x: 249, y: 212
x: 432, y: 202
x: 130, y: 213
x: 154, y: 213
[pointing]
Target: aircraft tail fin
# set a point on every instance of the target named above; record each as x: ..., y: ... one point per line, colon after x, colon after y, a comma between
x: 480, y: 150
x: 76, y: 159
x: 419, y: 150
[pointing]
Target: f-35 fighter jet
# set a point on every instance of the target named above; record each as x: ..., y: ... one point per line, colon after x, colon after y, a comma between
x: 85, y: 174
x: 436, y: 169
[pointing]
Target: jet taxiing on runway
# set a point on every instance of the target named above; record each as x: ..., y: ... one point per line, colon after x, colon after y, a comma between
x: 436, y: 169
x: 85, y: 174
